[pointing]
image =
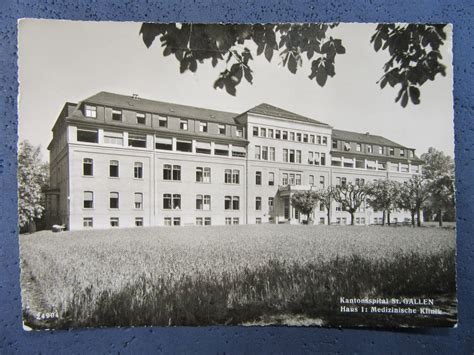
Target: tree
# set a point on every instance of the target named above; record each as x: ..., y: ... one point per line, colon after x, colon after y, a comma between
x: 413, y: 195
x: 438, y: 170
x: 383, y: 196
x: 325, y: 196
x: 305, y: 202
x: 32, y: 179
x: 414, y: 51
x: 350, y: 196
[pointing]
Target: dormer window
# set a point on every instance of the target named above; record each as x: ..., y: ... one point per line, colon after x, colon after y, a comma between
x: 347, y: 146
x: 410, y: 154
x: 183, y: 125
x: 381, y: 150
x: 369, y: 149
x: 90, y: 111
x: 116, y: 115
x: 334, y: 144
x: 392, y: 151
x: 358, y: 147
x: 402, y: 152
x: 163, y: 121
x: 239, y: 132
x: 141, y: 118
x: 203, y: 127
x: 222, y: 129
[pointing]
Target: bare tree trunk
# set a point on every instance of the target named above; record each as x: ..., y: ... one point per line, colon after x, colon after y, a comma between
x: 418, y: 220
x: 329, y: 216
x: 388, y: 217
x: 352, y: 218
x: 383, y: 218
x: 440, y: 214
x: 412, y: 218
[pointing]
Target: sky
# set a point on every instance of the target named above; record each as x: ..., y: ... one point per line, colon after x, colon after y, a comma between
x: 62, y: 61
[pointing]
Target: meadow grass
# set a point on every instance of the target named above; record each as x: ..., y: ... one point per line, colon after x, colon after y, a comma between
x: 228, y: 275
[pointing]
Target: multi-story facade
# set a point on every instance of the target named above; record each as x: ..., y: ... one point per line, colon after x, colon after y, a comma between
x: 121, y: 161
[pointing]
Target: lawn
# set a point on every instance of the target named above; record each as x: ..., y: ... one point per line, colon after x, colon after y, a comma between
x: 261, y: 274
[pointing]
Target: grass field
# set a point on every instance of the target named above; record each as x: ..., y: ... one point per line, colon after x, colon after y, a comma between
x: 261, y: 274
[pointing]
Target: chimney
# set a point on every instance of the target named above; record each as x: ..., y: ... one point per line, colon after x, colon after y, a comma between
x: 135, y: 96
x: 367, y: 133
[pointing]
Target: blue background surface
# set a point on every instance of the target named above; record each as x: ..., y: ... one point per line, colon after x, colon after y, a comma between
x: 238, y: 339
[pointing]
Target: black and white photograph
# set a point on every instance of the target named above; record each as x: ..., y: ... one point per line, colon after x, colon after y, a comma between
x: 187, y: 174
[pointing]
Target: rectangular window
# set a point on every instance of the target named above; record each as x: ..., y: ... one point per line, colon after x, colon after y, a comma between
x: 311, y: 138
x: 311, y: 180
x: 88, y: 199
x: 285, y: 155
x: 270, y: 204
x: 271, y: 179
x: 171, y: 201
x: 277, y: 134
x: 203, y: 127
x: 323, y: 159
x: 298, y: 137
x: 228, y: 203
x: 270, y: 133
x: 258, y: 220
x: 236, y: 176
x: 183, y: 125
x: 263, y: 132
x: 88, y: 222
x: 292, y: 136
x: 358, y: 147
x: 163, y: 121
x: 305, y: 138
x: 272, y: 153
x: 292, y: 156
x: 291, y: 180
x: 141, y: 118
x: 138, y: 221
x: 381, y: 150
x: 265, y: 153
x: 347, y: 146
x: 310, y: 158
x: 199, y: 221
x: 163, y: 143
x: 402, y: 152
x: 176, y: 221
x: 90, y: 111
x: 236, y: 203
x: 138, y: 200
x: 258, y: 152
x: 172, y: 172
x: 391, y: 150
x: 228, y: 176
x: 298, y: 179
x: 203, y: 175
x: 239, y: 132
x: 221, y: 149
x: 114, y: 168
x: 228, y: 221
x: 221, y: 129
x: 203, y: 202
x: 167, y: 221
x: 284, y: 135
x: 87, y: 135
x: 316, y: 158
x: 284, y: 179
x: 184, y: 146
x: 334, y: 144
x: 114, y: 138
x: 114, y: 200
x: 410, y: 154
x: 369, y: 149
x: 318, y: 139
x: 325, y: 140
x: 321, y: 181
x: 114, y: 221
x: 258, y: 178
x: 138, y: 170
x: 235, y: 220
x: 87, y: 167
x: 207, y: 221
x: 137, y: 141
x: 338, y: 207
x: 116, y: 115
x: 255, y: 131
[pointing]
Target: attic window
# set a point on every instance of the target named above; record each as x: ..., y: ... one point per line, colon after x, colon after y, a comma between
x: 90, y: 111
x: 116, y: 115
x: 141, y: 118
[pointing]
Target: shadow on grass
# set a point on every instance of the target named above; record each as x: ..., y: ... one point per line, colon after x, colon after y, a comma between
x: 256, y: 295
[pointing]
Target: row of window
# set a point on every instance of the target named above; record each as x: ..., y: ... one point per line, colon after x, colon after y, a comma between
x: 88, y: 222
x: 381, y: 150
x: 114, y: 170
x: 88, y: 200
x: 289, y: 135
x: 294, y: 156
x: 90, y: 111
